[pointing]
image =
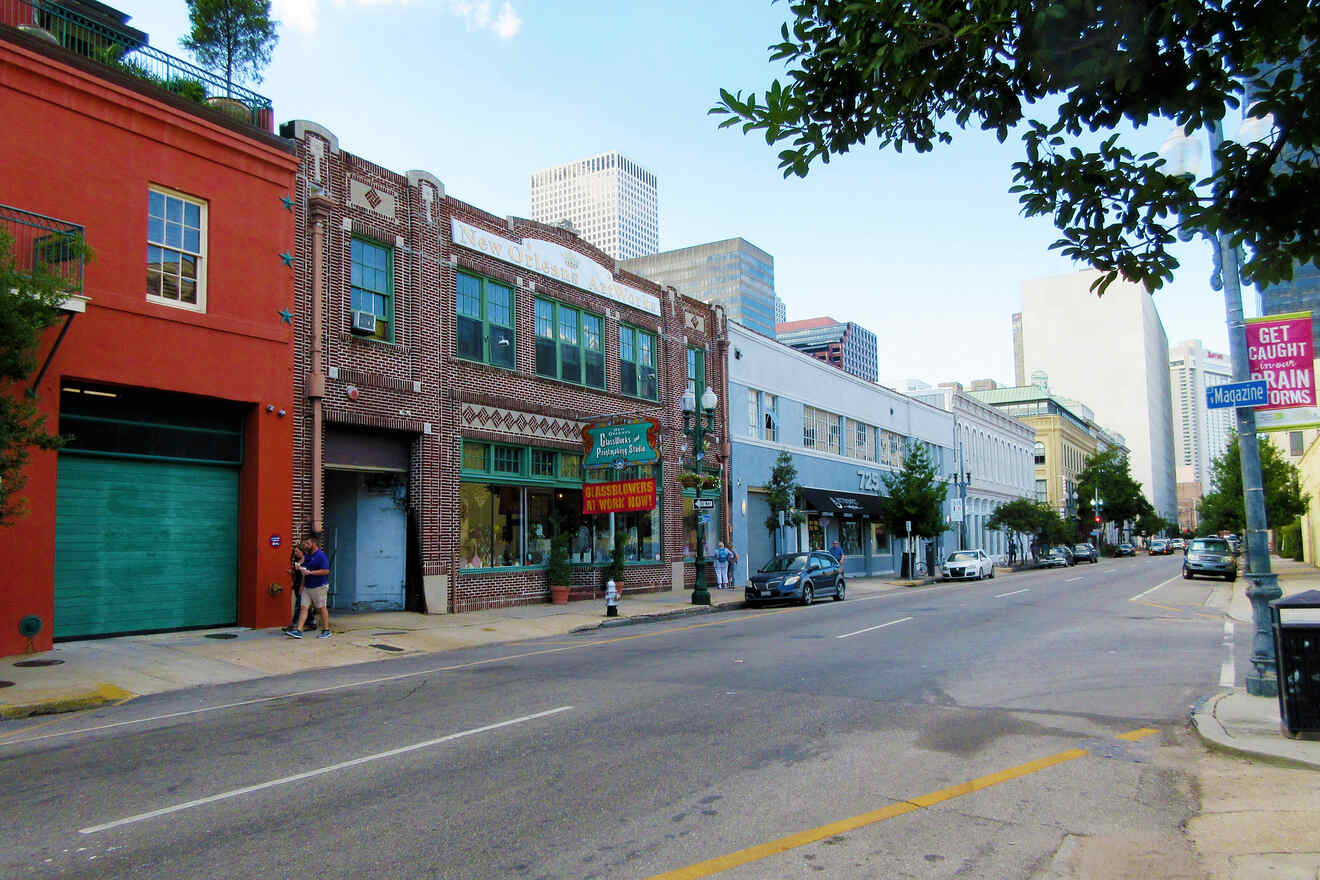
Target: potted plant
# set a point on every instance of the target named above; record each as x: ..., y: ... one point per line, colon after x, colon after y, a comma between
x: 557, y: 570
x: 689, y: 480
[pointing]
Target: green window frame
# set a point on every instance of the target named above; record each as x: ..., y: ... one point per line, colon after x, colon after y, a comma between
x: 637, y: 353
x: 696, y: 371
x: 371, y: 283
x: 485, y: 321
x: 570, y: 344
x: 525, y: 464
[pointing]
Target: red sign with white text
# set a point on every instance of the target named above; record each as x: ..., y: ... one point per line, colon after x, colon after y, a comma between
x: 625, y: 496
x: 1279, y: 350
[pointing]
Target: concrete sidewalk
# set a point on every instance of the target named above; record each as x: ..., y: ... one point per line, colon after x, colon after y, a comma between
x: 1243, y: 724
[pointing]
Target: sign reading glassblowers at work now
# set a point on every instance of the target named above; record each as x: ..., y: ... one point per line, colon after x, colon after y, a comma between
x: 612, y: 445
x: 625, y: 496
x: 1279, y: 350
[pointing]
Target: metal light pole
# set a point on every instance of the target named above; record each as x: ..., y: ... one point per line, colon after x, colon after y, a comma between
x: 697, y: 426
x: 1262, y: 681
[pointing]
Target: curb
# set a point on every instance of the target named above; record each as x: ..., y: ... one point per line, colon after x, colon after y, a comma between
x: 659, y: 615
x: 1213, y: 736
x: 103, y: 694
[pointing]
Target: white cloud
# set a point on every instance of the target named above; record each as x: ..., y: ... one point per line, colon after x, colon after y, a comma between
x: 478, y: 15
x: 300, y: 15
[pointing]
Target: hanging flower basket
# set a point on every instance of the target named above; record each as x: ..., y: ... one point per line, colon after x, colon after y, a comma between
x: 710, y: 482
x: 689, y: 480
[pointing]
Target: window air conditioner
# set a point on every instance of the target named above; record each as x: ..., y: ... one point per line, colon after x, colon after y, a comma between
x: 364, y: 322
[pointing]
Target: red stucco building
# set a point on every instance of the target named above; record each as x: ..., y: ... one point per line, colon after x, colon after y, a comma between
x: 171, y: 505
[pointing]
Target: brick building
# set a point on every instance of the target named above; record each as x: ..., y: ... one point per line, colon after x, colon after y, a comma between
x: 460, y: 358
x: 171, y: 373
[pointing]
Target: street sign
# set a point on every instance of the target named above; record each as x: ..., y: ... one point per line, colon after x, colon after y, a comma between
x: 703, y: 503
x: 1232, y: 394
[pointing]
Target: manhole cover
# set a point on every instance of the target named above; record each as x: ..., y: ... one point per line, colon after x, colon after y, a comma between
x: 6, y: 684
x: 392, y: 632
x: 386, y: 647
x: 222, y: 635
x: 29, y: 664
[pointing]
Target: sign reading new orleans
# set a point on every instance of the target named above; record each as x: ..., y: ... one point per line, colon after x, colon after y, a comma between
x: 625, y: 496
x: 554, y: 260
x: 618, y: 445
x: 1279, y: 351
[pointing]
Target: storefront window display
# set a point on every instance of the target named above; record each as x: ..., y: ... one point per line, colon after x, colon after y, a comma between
x: 815, y: 534
x: 850, y: 537
x: 513, y: 500
x: 879, y: 540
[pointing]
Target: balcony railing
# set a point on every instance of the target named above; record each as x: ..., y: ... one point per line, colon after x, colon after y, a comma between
x: 44, y: 244
x: 124, y: 52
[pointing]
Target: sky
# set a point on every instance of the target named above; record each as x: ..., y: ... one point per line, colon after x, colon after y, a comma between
x: 926, y: 251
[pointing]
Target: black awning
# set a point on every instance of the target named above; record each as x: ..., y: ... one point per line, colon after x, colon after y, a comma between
x: 842, y: 503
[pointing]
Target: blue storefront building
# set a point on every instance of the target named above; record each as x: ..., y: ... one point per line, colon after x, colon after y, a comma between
x: 842, y: 433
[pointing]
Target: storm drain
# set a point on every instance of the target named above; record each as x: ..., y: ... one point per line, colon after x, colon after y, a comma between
x: 31, y: 664
x: 222, y: 635
x: 385, y: 647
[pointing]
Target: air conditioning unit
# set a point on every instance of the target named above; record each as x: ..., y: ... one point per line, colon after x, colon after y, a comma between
x: 364, y: 322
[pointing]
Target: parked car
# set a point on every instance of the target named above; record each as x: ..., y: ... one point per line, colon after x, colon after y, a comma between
x: 1158, y: 547
x: 1235, y: 543
x: 967, y: 565
x: 1058, y: 557
x: 1212, y: 556
x: 796, y: 576
x: 1085, y: 552
x: 1125, y: 549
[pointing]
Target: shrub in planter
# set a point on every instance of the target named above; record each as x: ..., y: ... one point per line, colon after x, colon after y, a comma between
x: 558, y: 572
x: 187, y: 88
x: 614, y: 571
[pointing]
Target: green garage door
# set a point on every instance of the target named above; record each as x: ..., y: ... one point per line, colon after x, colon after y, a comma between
x: 144, y: 545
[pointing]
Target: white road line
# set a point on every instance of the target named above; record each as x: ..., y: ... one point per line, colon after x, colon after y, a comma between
x: 1154, y: 588
x: 310, y: 773
x: 870, y: 628
x: 1109, y: 571
x: 1078, y: 578
x: 1014, y: 593
x: 1227, y: 672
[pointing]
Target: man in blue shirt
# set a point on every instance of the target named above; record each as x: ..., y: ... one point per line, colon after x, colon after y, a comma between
x: 315, y: 569
x: 836, y: 550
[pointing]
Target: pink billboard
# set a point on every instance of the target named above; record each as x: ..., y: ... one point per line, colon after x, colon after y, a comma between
x: 1279, y: 350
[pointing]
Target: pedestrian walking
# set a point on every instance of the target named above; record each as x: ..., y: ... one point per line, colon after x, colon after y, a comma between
x: 296, y: 558
x: 315, y: 569
x: 836, y: 550
x: 722, y: 557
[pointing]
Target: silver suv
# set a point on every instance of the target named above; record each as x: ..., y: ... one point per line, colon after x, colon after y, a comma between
x: 1211, y: 556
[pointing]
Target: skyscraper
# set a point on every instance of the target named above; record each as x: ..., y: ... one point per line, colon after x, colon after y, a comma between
x: 1302, y: 294
x: 847, y: 346
x: 610, y: 200
x: 1200, y: 434
x: 1112, y: 352
x: 733, y: 273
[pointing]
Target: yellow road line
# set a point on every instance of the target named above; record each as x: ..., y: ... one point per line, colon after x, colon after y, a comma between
x: 823, y: 832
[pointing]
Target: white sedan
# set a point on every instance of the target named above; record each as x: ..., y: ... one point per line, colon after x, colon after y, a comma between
x: 968, y: 565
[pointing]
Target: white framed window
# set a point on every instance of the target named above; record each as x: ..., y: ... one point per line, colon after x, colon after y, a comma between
x: 176, y: 249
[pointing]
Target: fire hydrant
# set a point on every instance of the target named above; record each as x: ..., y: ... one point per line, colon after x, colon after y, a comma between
x: 611, y: 599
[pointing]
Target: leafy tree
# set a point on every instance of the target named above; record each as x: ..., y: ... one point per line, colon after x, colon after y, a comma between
x: 1033, y: 518
x: 907, y: 73
x: 1154, y: 525
x: 237, y: 36
x: 1223, y: 508
x: 1109, y: 474
x: 30, y: 294
x: 914, y: 494
x: 782, y: 490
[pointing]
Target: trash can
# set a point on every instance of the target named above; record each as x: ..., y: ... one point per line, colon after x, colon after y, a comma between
x: 1297, y: 662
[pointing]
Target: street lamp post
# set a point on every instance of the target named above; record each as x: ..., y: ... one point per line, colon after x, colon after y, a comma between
x: 697, y: 426
x: 1262, y: 681
x: 961, y: 480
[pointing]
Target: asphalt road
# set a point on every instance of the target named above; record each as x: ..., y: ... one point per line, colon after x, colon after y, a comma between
x: 964, y: 730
